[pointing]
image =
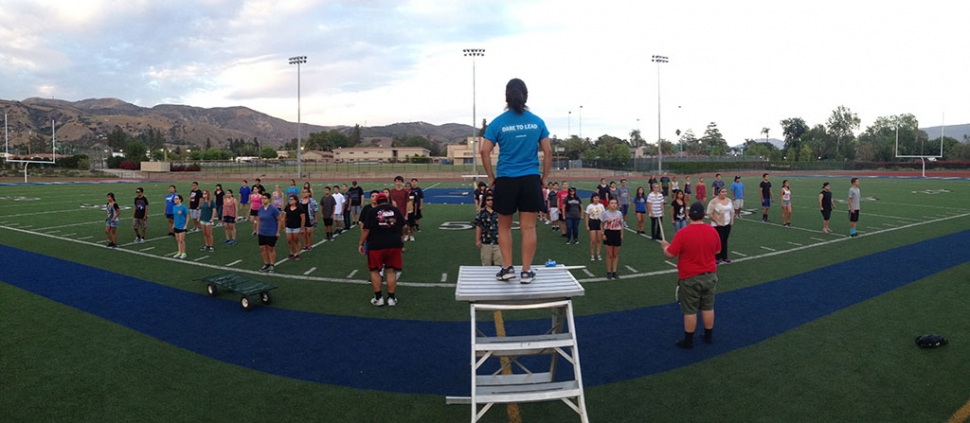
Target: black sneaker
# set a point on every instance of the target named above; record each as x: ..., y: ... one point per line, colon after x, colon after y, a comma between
x: 609, y: 275
x: 615, y: 276
x: 272, y: 269
x: 265, y: 268
x: 505, y: 274
x: 527, y: 277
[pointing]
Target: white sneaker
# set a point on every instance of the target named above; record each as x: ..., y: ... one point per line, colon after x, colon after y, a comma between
x: 391, y: 302
x: 412, y: 237
x: 378, y: 302
x: 600, y: 258
x: 592, y: 257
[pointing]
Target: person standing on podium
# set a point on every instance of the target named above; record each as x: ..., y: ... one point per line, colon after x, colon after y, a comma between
x: 516, y: 180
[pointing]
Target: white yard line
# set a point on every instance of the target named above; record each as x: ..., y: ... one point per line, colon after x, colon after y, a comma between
x: 795, y: 244
x: 146, y: 249
x: 85, y: 223
x: 444, y: 277
x: 51, y: 232
x: 234, y: 263
x: 201, y: 258
x: 819, y: 239
x: 85, y: 237
x: 70, y: 234
x: 766, y: 248
x: 780, y: 226
x: 50, y: 212
x: 671, y: 264
x: 631, y: 269
x: 439, y: 183
x: 738, y: 254
x: 309, y: 271
x: 588, y: 273
x: 352, y: 273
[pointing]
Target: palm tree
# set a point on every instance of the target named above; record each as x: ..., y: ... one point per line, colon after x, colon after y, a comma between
x: 765, y: 131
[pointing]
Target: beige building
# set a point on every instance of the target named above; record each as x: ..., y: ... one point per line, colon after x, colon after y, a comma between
x: 377, y: 154
x: 317, y: 156
x: 459, y: 154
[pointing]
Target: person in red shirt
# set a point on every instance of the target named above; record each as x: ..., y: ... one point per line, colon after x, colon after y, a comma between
x: 697, y: 244
x: 399, y: 199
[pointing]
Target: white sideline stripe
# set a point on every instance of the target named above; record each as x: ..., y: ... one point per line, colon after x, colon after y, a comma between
x: 233, y: 263
x: 795, y: 244
x: 766, y: 248
x: 85, y: 237
x: 588, y: 273
x: 444, y: 277
x: 309, y: 271
x: 352, y: 273
x: 201, y: 258
x: 439, y: 183
x: 738, y: 254
x: 451, y: 285
x: 668, y: 262
x: 631, y: 269
x: 146, y: 249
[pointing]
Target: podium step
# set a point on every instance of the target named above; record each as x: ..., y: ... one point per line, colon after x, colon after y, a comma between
x: 527, y: 393
x: 530, y: 342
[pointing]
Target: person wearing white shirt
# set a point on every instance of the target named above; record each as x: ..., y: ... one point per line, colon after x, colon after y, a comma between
x: 655, y: 206
x: 594, y: 214
x: 338, y: 209
x: 721, y: 212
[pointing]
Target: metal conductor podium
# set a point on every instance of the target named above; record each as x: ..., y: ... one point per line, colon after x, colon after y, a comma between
x: 552, y: 290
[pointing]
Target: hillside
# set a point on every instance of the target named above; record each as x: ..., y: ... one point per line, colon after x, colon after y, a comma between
x: 953, y: 131
x: 88, y: 122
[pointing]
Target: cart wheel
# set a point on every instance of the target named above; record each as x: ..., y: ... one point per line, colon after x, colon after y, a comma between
x: 246, y: 304
x: 212, y: 290
x: 265, y: 298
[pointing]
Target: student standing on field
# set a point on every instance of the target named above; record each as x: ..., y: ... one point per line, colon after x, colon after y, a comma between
x: 573, y: 213
x: 418, y: 205
x: 701, y: 190
x: 678, y: 210
x: 356, y: 202
x: 220, y: 202
x: 207, y: 218
x: 140, y: 219
x: 623, y: 193
x: 665, y: 184
x: 195, y: 198
x: 338, y: 209
x: 765, y: 190
x: 640, y: 207
x: 594, y: 225
x: 687, y: 191
x: 603, y: 192
x: 517, y: 186
x: 717, y: 185
x: 292, y: 190
x: 230, y: 210
x: 381, y: 234
x: 111, y: 221
x: 311, y: 208
x: 270, y: 221
x: 785, y: 204
x: 255, y: 201
x: 561, y: 197
x: 612, y: 238
x: 737, y: 190
x: 552, y: 199
x: 486, y: 234
x: 655, y: 205
x: 721, y: 212
x: 855, y: 198
x: 244, y: 193
x: 328, y: 206
x: 180, y: 215
x: 295, y: 219
x: 697, y: 244
x: 826, y: 205
x: 169, y: 214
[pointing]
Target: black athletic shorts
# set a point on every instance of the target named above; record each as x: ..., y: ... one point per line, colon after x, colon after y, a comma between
x: 268, y: 240
x: 612, y: 238
x: 594, y: 224
x: 417, y: 214
x: 854, y: 216
x: 523, y: 194
x: 327, y: 222
x: 254, y: 212
x: 826, y: 214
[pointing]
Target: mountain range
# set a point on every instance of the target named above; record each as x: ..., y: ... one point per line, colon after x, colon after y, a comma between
x: 88, y: 122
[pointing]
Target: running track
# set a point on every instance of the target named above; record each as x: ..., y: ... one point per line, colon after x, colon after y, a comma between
x: 433, y: 357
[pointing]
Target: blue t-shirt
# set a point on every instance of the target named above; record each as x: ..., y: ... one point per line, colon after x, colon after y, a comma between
x: 517, y: 137
x: 244, y: 193
x: 169, y: 202
x: 181, y: 216
x: 269, y: 221
x: 737, y: 189
x: 292, y: 191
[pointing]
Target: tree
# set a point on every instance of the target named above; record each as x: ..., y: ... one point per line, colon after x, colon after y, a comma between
x: 636, y: 140
x: 878, y: 141
x: 841, y: 124
x: 135, y: 151
x: 793, y: 129
x: 208, y: 143
x: 765, y: 131
x: 819, y: 142
x: 689, y: 142
x: 620, y: 155
x: 355, y: 136
x: 713, y: 142
x: 268, y: 153
x: 118, y: 138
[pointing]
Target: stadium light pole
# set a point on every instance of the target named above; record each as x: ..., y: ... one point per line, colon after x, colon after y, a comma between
x: 580, y: 122
x: 569, y: 123
x: 660, y: 151
x: 298, y: 60
x: 473, y: 53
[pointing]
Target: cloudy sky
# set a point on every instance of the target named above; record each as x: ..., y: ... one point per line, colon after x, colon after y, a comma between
x: 743, y: 64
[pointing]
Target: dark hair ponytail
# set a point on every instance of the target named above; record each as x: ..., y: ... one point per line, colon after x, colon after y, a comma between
x: 516, y: 95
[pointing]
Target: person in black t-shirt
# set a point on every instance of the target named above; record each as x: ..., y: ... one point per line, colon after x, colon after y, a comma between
x: 295, y: 222
x: 765, y: 189
x: 195, y: 210
x: 140, y: 220
x: 825, y: 205
x: 369, y: 206
x: 382, y: 235
x: 356, y: 194
x: 419, y: 203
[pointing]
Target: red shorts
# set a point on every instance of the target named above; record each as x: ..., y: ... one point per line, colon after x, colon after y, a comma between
x: 605, y: 203
x: 389, y: 258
